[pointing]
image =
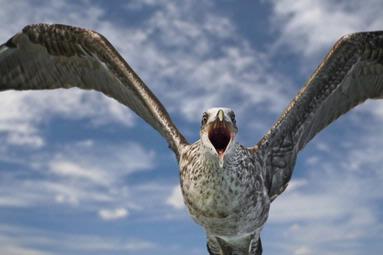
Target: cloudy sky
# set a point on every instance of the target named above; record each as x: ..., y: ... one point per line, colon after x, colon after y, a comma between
x: 81, y: 174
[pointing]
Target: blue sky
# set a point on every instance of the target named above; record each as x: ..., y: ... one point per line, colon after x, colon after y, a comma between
x: 81, y: 174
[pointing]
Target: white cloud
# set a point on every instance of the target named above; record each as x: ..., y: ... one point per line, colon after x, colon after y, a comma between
x: 25, y: 139
x: 303, y: 250
x: 66, y: 199
x: 73, y: 170
x: 337, y: 207
x: 159, y: 197
x: 21, y: 113
x: 188, y: 66
x: 85, y: 174
x: 206, y: 63
x: 175, y: 199
x: 12, y: 200
x: 295, y: 184
x: 310, y: 27
x: 15, y: 239
x: 184, y: 67
x: 107, y: 214
x: 14, y: 249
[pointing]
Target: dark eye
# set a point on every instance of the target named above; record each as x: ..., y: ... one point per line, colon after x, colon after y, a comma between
x: 232, y: 117
x: 204, y: 118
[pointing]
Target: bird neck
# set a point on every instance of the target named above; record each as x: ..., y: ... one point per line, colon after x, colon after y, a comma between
x: 213, y: 161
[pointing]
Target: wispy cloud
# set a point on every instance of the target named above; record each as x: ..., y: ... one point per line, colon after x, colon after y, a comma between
x: 72, y: 170
x: 193, y: 58
x: 107, y: 214
x: 207, y: 79
x: 21, y: 112
x: 28, y: 238
x: 76, y: 174
x: 175, y: 199
x: 187, y: 66
x: 310, y: 27
x: 336, y: 207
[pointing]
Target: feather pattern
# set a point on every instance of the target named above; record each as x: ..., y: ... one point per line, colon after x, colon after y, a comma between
x: 59, y: 56
x: 351, y: 73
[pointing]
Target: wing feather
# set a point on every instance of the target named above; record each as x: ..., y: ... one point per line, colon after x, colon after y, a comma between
x: 58, y: 56
x: 351, y: 73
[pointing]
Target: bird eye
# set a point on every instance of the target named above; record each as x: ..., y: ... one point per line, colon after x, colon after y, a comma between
x: 232, y: 117
x: 204, y: 118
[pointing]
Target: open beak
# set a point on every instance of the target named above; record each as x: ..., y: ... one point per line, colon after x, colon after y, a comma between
x: 221, y: 133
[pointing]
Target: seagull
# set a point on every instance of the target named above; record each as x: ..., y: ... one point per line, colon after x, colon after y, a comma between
x: 227, y: 187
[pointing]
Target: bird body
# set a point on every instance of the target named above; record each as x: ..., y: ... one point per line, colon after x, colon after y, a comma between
x: 230, y: 202
x: 227, y: 187
x: 223, y: 185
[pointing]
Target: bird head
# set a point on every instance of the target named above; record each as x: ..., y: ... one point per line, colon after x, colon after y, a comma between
x: 218, y: 131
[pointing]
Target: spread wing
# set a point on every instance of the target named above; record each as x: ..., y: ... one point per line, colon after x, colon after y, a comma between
x: 58, y: 56
x: 350, y: 73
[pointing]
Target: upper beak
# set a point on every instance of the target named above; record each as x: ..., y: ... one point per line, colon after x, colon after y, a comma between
x: 220, y: 115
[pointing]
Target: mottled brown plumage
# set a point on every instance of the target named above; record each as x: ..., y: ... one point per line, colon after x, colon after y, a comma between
x: 227, y: 188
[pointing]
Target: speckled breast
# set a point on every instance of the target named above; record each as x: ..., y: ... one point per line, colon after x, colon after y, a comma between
x: 227, y: 201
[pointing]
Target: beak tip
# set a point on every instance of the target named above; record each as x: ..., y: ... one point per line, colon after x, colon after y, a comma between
x: 220, y: 115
